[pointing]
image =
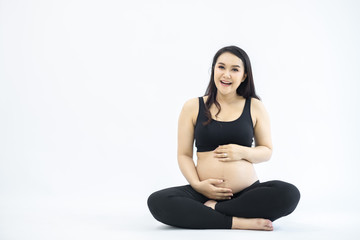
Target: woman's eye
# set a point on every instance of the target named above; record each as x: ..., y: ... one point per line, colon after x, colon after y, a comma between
x: 221, y: 67
x: 236, y: 70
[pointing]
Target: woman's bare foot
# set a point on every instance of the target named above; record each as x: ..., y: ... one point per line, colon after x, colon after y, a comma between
x: 210, y: 204
x: 252, y: 224
x: 246, y: 223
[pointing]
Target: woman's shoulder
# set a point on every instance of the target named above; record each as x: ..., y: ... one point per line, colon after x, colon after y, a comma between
x: 191, y: 108
x: 256, y: 103
x: 258, y: 109
x: 191, y: 103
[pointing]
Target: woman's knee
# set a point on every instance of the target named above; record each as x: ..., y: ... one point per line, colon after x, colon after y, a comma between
x: 162, y: 203
x: 156, y: 201
x: 291, y: 196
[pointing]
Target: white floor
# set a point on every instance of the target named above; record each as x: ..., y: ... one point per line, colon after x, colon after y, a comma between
x: 31, y: 218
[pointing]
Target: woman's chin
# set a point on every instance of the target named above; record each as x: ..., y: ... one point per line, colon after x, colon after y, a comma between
x: 226, y: 91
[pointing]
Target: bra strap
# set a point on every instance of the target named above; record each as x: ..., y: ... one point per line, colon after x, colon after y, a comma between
x: 201, y: 103
x: 248, y: 109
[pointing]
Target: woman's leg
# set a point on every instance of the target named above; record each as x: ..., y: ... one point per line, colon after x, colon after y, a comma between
x: 269, y: 200
x: 183, y: 207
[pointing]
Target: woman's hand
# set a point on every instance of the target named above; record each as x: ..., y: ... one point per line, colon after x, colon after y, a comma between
x: 209, y: 189
x: 230, y: 152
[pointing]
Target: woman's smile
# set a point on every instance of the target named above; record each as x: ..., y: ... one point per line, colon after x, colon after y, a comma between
x: 225, y: 83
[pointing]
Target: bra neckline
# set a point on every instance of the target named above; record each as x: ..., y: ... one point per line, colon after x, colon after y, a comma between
x: 231, y: 121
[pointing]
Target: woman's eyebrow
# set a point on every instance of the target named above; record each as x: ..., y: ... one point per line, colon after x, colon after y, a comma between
x: 232, y: 65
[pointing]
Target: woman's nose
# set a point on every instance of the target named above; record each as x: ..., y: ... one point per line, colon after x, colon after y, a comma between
x: 227, y: 74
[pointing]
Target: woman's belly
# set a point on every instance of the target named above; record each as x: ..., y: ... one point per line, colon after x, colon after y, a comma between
x: 237, y: 175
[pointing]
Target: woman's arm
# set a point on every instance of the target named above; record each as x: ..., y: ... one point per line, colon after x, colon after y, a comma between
x: 263, y: 144
x: 186, y: 125
x: 262, y: 133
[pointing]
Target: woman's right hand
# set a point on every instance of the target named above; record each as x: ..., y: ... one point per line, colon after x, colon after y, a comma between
x: 209, y: 189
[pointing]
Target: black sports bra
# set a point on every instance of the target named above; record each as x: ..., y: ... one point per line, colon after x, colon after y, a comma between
x: 209, y: 137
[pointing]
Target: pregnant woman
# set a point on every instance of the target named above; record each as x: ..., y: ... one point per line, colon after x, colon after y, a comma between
x: 231, y: 130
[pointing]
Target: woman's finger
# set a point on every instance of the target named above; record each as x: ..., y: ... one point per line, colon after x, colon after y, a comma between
x: 223, y: 190
x: 223, y: 147
x: 220, y: 149
x: 226, y: 195
x: 221, y: 155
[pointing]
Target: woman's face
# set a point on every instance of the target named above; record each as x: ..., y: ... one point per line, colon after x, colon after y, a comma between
x: 229, y: 73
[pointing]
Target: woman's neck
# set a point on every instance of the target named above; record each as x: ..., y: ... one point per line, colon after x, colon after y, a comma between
x: 227, y: 99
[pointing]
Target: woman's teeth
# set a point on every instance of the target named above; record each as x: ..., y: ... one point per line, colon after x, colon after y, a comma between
x: 225, y: 83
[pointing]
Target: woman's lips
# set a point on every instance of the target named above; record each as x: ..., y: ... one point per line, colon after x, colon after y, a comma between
x: 225, y: 83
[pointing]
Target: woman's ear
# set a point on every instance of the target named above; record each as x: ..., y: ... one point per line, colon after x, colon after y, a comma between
x: 245, y: 76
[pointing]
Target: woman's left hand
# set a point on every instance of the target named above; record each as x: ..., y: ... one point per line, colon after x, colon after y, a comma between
x: 230, y: 152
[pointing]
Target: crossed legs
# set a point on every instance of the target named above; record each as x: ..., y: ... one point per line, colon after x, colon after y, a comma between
x: 253, y: 208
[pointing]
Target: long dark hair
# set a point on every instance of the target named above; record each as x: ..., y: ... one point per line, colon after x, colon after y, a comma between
x: 246, y: 88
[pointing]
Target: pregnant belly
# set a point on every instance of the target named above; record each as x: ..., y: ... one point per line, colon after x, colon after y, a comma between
x: 237, y: 175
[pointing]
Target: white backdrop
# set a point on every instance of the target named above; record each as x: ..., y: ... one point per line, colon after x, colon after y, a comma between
x: 90, y: 94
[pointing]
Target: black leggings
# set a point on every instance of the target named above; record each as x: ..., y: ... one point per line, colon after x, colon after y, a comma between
x: 184, y: 207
